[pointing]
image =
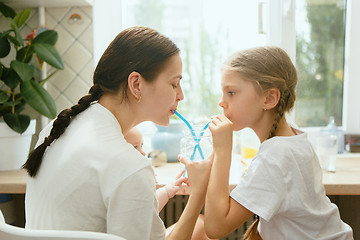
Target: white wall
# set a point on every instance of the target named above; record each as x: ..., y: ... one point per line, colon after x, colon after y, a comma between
x: 351, y: 110
x: 107, y: 24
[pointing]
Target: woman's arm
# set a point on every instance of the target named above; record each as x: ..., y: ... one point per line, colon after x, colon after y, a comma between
x: 222, y: 213
x: 198, y: 173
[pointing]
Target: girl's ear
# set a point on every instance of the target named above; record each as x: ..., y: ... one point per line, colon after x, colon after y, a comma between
x: 272, y: 97
x: 134, y: 83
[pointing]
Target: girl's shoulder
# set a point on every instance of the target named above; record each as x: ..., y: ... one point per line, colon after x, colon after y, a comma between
x: 284, y: 149
x: 284, y: 142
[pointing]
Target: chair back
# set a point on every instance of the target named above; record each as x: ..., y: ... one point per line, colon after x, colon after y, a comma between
x: 9, y: 232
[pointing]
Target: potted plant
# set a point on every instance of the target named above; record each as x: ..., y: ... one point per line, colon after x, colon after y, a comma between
x: 18, y: 84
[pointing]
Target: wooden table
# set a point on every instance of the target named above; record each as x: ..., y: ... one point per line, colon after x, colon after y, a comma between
x: 346, y: 180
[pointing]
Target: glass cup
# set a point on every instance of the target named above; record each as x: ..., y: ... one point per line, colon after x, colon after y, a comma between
x: 327, y: 148
x: 196, y: 146
x: 250, y: 143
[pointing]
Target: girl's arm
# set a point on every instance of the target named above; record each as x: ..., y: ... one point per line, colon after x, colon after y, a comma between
x: 222, y: 214
x: 198, y: 173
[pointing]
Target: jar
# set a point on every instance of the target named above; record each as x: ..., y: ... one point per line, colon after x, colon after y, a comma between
x: 197, y: 145
x: 167, y: 139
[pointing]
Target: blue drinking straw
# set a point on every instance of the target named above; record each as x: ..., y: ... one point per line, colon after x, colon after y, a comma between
x: 196, y: 138
x: 186, y: 122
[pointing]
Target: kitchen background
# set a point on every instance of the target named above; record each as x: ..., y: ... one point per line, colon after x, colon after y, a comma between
x: 76, y: 22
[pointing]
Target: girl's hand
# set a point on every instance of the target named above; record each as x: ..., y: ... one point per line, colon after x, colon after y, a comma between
x: 176, y: 185
x: 198, y: 172
x: 222, y: 132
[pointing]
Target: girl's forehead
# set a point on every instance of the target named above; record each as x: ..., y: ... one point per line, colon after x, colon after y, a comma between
x: 231, y: 78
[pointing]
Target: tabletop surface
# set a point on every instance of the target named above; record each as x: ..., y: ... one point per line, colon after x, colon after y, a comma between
x: 345, y: 181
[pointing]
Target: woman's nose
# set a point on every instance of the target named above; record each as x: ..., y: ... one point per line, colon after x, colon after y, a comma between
x: 180, y: 94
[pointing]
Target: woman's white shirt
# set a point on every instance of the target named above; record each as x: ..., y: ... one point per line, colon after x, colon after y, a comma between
x: 283, y: 186
x: 92, y: 179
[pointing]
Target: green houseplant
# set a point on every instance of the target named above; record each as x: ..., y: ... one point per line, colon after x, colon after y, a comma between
x: 19, y: 84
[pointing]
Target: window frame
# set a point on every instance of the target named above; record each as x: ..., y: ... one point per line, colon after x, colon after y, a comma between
x: 283, y: 34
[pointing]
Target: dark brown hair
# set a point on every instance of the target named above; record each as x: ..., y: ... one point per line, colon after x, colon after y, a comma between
x: 266, y: 67
x: 138, y: 49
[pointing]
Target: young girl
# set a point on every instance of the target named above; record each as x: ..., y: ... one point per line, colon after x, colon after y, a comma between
x: 84, y: 175
x: 283, y: 185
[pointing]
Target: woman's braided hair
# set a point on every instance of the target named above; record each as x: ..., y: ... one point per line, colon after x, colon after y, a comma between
x: 266, y: 68
x: 139, y: 49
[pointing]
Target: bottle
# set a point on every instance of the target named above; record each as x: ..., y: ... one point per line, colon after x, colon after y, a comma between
x: 333, y: 130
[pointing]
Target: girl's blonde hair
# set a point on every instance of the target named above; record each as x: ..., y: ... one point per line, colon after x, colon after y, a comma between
x: 266, y: 68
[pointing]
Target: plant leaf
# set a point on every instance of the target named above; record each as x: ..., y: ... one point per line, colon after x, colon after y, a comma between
x: 10, y: 78
x: 7, y: 11
x: 24, y: 54
x: 5, y: 33
x: 24, y: 70
x: 13, y: 40
x: 17, y: 122
x: 3, y: 97
x: 38, y: 98
x: 11, y: 103
x: 48, y: 36
x: 49, y: 54
x: 17, y: 32
x: 21, y: 18
x: 4, y: 47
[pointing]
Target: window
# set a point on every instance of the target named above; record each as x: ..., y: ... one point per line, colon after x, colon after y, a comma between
x: 320, y: 44
x: 207, y: 32
x: 321, y: 36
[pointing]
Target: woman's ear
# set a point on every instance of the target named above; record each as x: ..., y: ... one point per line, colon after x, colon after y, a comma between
x: 134, y: 83
x: 272, y: 97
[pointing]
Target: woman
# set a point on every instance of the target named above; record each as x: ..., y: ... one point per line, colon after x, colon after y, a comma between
x: 84, y: 175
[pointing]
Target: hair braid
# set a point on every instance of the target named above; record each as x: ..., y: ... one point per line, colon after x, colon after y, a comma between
x: 280, y: 113
x: 62, y: 121
x: 252, y: 233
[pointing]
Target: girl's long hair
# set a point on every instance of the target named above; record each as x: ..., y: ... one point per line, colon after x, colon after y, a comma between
x: 139, y: 49
x: 266, y: 68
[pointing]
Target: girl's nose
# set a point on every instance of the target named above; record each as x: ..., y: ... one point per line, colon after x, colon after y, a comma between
x: 222, y: 103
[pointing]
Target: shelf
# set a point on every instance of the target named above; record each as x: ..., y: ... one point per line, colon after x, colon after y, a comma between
x: 47, y: 3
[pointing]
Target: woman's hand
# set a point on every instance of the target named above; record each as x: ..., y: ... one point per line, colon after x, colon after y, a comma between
x: 222, y: 132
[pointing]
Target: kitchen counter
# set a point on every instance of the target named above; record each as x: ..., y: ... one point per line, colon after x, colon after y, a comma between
x: 345, y: 181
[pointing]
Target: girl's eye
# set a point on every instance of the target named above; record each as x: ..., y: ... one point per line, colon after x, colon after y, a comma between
x: 231, y: 93
x: 174, y: 85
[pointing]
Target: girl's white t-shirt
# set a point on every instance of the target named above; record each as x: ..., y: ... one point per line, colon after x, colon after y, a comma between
x: 283, y: 185
x: 91, y: 179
